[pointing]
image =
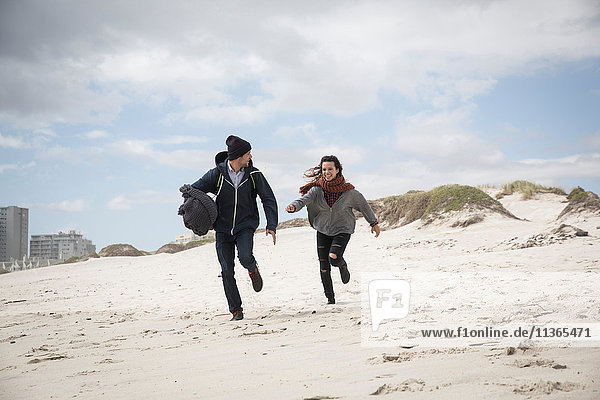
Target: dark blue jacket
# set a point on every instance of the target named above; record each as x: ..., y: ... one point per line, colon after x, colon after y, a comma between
x: 237, y: 207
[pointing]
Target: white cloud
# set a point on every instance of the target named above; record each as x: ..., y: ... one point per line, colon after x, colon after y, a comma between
x: 96, y: 134
x: 119, y: 203
x: 6, y: 167
x: 439, y: 52
x: 444, y: 92
x: 44, y: 134
x: 61, y: 153
x: 307, y: 132
x: 74, y: 205
x: 73, y: 155
x: 127, y: 201
x: 232, y: 114
x: 444, y: 138
x: 145, y: 151
x: 181, y: 140
x: 419, y: 174
x: 552, y: 171
x: 185, y: 159
x: 243, y: 62
x: 37, y: 139
x: 312, y: 143
x: 54, y: 91
x: 12, y: 142
x: 573, y: 166
x: 148, y: 151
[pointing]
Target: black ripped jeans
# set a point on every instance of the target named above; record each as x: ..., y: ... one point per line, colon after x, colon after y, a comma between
x: 330, y: 244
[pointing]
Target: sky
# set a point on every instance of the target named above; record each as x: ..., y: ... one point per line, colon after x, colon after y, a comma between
x: 108, y: 107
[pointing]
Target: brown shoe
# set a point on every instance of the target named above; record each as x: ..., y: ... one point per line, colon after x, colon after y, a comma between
x: 257, y: 282
x: 237, y: 316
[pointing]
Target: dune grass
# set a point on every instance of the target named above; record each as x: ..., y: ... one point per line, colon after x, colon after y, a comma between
x: 201, y: 242
x: 455, y: 197
x: 71, y: 260
x: 121, y: 249
x: 428, y: 206
x: 410, y: 207
x: 576, y: 194
x: 80, y: 258
x: 527, y: 189
x: 581, y: 201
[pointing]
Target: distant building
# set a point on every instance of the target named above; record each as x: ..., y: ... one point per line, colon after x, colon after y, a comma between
x: 14, y: 233
x: 190, y: 237
x: 60, y: 246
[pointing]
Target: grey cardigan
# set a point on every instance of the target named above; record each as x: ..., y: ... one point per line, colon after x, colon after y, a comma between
x: 337, y: 219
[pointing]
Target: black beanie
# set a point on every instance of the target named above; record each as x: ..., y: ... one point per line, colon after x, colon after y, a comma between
x: 236, y: 147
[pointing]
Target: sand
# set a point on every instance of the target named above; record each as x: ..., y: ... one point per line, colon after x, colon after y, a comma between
x: 157, y: 327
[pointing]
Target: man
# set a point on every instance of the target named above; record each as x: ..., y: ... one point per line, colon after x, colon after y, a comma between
x: 236, y: 182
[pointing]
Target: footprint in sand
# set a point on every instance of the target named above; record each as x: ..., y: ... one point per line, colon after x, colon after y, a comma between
x: 547, y: 387
x: 538, y: 363
x: 409, y: 385
x: 49, y: 357
x: 109, y: 361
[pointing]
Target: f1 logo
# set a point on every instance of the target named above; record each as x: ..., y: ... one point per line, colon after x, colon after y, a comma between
x: 388, y: 299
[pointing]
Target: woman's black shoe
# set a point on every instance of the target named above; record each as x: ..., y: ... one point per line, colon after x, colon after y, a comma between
x: 345, y: 274
x: 330, y: 297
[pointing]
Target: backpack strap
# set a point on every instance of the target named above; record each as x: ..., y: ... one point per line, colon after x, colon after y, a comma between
x: 219, y: 184
x: 253, y: 184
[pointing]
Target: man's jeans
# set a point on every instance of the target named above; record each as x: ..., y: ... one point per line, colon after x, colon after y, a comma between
x: 225, y: 243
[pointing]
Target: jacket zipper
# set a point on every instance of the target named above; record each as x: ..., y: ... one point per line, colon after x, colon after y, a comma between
x: 235, y: 205
x: 330, y: 212
x: 234, y: 211
x: 331, y: 208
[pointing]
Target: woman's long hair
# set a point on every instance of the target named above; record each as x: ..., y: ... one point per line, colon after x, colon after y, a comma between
x: 314, y: 173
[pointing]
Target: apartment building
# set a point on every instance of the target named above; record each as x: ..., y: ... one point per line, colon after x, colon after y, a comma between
x: 60, y: 246
x: 191, y: 237
x: 14, y: 233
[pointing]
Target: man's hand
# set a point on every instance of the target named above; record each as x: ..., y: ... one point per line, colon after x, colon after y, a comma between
x: 290, y: 208
x: 272, y: 233
x: 375, y: 229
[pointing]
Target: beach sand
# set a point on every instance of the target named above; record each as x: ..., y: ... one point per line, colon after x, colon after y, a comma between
x: 158, y: 327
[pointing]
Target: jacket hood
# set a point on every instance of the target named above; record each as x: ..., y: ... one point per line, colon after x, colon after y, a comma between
x: 222, y: 156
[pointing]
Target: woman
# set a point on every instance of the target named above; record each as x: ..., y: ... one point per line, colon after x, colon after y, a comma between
x: 330, y: 200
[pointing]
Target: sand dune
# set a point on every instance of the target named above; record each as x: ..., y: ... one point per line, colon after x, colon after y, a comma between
x: 158, y: 327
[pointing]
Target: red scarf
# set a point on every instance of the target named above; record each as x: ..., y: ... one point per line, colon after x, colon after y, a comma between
x: 338, y: 185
